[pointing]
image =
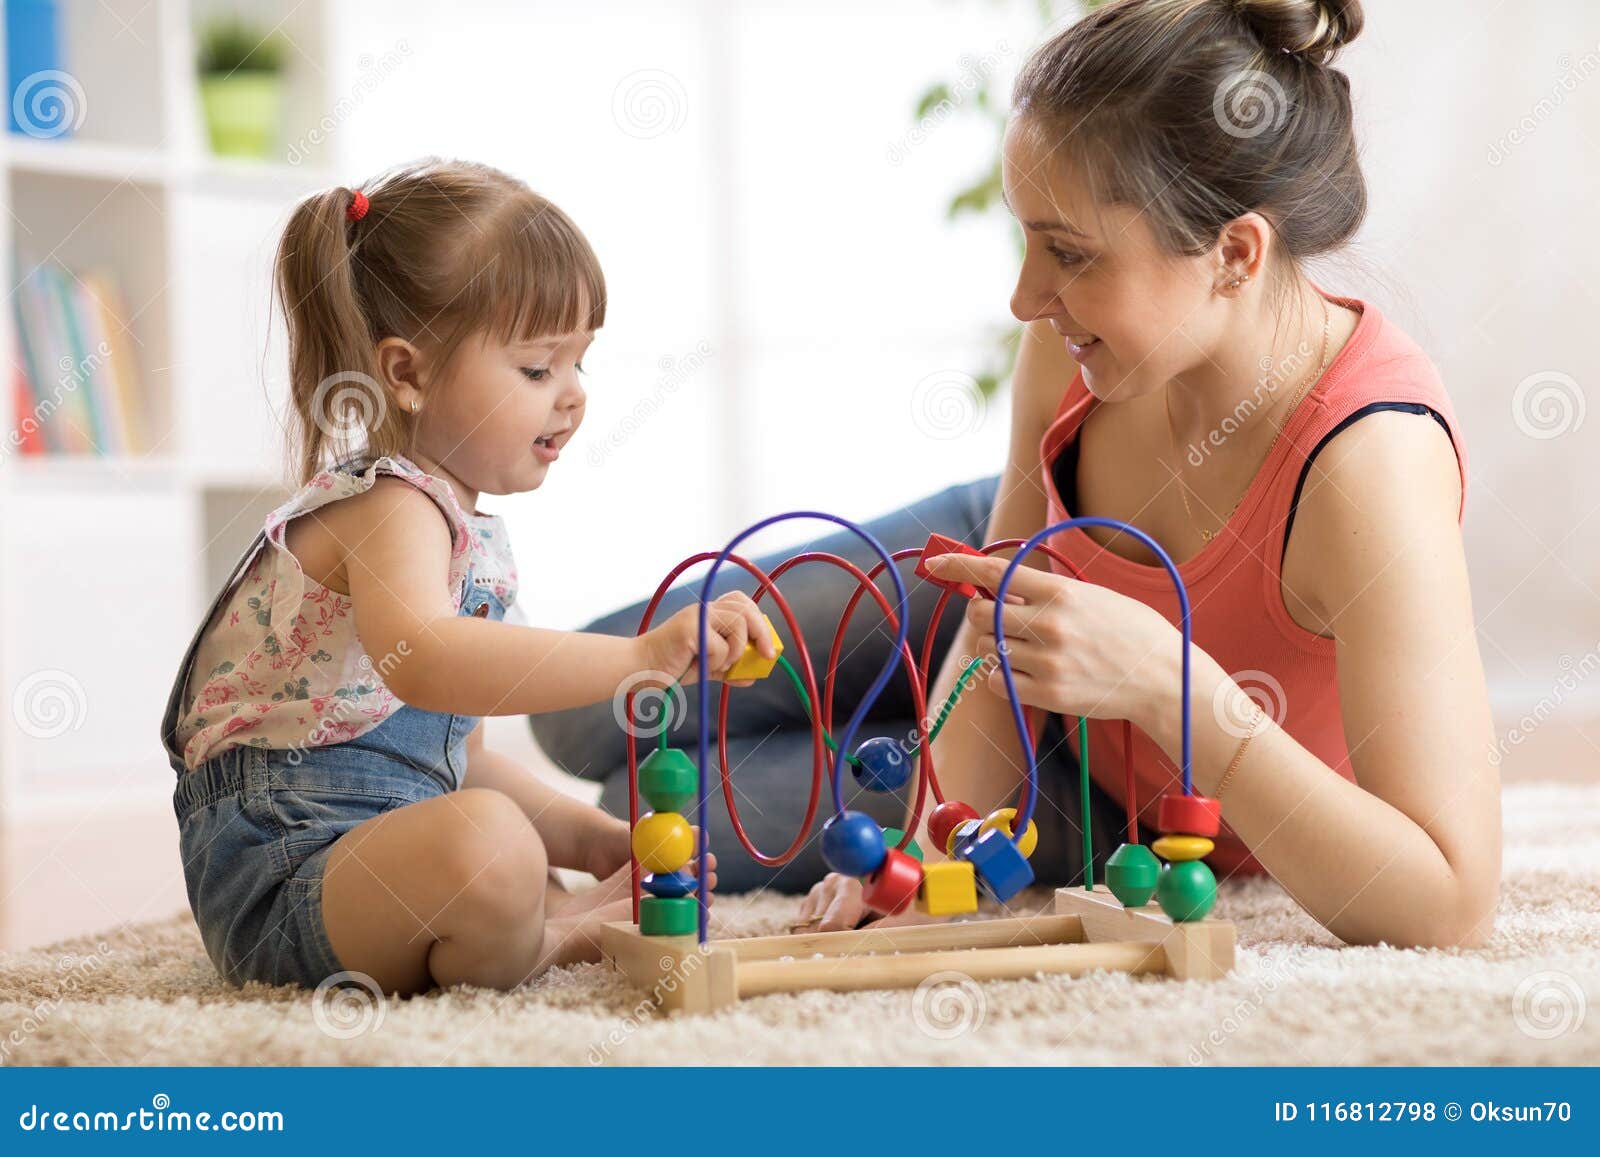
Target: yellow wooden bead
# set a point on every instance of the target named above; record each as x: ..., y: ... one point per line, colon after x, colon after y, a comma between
x: 949, y: 888
x: 1180, y: 848
x: 751, y: 664
x: 663, y: 842
x: 1002, y: 821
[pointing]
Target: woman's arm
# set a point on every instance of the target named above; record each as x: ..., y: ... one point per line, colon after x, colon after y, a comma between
x: 1411, y: 856
x: 394, y: 550
x: 977, y: 756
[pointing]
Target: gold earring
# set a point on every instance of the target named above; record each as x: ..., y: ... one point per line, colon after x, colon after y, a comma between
x: 1238, y: 281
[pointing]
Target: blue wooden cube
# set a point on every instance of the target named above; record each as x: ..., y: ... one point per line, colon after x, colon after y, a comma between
x: 1002, y: 870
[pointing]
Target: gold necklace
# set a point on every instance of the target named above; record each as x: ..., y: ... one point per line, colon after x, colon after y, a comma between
x: 1183, y: 490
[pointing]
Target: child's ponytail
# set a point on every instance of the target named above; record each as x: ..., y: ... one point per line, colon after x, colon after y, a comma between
x: 333, y: 386
x: 431, y: 252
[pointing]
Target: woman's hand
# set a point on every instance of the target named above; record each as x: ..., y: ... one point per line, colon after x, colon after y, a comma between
x: 732, y: 621
x: 1075, y: 647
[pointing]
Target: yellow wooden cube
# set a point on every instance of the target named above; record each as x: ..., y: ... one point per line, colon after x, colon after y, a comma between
x: 750, y: 664
x: 949, y: 888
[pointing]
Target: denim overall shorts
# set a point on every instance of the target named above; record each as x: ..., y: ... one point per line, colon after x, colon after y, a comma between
x: 255, y: 825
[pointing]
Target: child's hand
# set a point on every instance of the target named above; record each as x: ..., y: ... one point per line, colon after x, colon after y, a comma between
x: 731, y: 622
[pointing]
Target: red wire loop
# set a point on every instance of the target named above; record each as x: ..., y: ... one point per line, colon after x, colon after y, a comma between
x: 824, y: 710
x: 917, y: 671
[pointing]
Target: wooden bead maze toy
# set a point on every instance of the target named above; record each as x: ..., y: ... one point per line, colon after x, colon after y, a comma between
x: 1150, y: 917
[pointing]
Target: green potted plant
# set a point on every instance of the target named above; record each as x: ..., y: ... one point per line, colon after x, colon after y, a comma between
x: 241, y: 87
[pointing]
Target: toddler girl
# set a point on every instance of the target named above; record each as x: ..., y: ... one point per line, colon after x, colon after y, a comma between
x: 338, y: 812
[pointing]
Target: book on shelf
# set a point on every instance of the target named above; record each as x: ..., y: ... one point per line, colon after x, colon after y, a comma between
x: 80, y: 386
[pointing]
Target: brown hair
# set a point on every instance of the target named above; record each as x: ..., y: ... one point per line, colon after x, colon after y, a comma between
x: 446, y: 250
x: 1197, y: 111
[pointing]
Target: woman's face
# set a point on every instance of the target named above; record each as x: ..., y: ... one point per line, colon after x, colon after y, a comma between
x: 1133, y: 316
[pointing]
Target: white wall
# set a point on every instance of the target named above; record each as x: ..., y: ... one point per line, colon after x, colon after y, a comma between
x: 769, y: 222
x: 764, y: 234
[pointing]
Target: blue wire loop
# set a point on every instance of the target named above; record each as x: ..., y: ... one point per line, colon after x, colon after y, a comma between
x: 878, y: 684
x: 1020, y: 826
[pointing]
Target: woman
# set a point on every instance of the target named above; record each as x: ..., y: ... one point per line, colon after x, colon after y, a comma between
x: 1174, y: 164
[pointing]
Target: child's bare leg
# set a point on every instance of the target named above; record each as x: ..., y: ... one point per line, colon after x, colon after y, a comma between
x: 556, y: 896
x: 446, y: 891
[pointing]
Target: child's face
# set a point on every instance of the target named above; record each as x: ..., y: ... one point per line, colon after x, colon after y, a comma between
x: 1097, y: 272
x: 506, y: 411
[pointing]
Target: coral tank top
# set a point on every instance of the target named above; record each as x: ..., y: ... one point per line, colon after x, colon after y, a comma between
x: 1237, y: 614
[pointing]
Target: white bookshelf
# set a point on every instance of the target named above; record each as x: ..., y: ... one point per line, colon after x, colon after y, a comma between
x: 106, y: 562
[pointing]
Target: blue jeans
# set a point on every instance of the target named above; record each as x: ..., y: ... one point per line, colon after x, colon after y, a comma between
x: 256, y: 825
x: 769, y: 737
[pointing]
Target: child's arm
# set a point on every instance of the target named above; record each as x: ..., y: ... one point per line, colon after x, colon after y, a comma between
x: 396, y: 549
x: 575, y: 834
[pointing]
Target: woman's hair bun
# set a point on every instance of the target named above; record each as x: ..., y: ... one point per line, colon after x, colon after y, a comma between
x: 1313, y: 29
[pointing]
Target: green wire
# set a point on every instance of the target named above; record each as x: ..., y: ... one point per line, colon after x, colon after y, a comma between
x: 944, y: 712
x: 1083, y: 788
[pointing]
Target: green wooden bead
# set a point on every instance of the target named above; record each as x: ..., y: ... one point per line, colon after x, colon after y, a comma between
x: 669, y: 916
x: 1186, y: 890
x: 669, y: 780
x: 1131, y: 874
x: 892, y: 838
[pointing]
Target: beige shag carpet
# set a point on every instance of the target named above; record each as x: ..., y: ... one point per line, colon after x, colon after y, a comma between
x: 146, y: 995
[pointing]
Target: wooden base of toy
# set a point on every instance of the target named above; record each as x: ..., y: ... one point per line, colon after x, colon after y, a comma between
x: 1088, y: 931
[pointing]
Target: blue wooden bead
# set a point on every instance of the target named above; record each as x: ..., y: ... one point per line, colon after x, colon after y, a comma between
x: 1002, y: 870
x: 678, y: 883
x: 881, y: 764
x: 852, y: 844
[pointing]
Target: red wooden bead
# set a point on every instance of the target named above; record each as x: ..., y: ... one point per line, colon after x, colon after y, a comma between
x: 1189, y: 815
x: 948, y: 816
x: 894, y: 885
x: 938, y: 544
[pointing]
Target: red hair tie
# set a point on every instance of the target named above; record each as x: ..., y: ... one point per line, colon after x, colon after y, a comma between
x: 358, y: 206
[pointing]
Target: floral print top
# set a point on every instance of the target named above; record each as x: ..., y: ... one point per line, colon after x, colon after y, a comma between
x: 279, y: 664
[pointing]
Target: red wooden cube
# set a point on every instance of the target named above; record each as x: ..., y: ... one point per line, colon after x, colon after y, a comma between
x: 938, y: 544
